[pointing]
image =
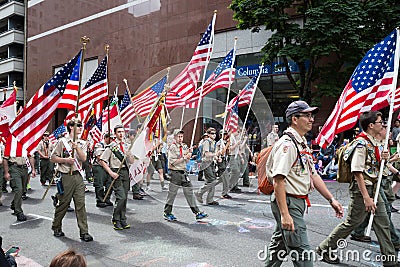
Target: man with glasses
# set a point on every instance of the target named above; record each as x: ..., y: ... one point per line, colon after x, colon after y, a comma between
x: 365, y: 162
x: 69, y: 153
x: 291, y: 167
x: 209, y: 156
x: 46, y: 166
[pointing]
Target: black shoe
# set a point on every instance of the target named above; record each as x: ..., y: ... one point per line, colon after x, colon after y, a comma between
x: 226, y: 196
x: 137, y: 197
x: 362, y: 238
x: 86, y: 237
x: 55, y: 200
x: 101, y: 205
x: 21, y: 217
x: 125, y: 225
x: 58, y: 233
x: 393, y: 209
x: 236, y: 190
x: 117, y: 225
x: 70, y: 209
x: 200, y: 179
x: 109, y: 203
x: 24, y: 196
x: 331, y: 259
x: 397, y: 196
x: 213, y: 203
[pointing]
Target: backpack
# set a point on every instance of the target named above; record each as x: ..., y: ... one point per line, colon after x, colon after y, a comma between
x: 343, y: 154
x: 265, y: 186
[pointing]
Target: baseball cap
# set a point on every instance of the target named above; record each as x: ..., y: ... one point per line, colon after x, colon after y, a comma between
x: 299, y: 107
x: 178, y: 131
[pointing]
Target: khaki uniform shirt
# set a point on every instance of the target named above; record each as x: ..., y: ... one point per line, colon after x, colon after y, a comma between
x: 284, y: 160
x: 109, y: 157
x: 174, y: 154
x: 44, y: 148
x: 221, y: 146
x: 60, y: 151
x: 233, y: 141
x: 98, y: 150
x: 208, y: 146
x: 17, y: 160
x: 364, y: 160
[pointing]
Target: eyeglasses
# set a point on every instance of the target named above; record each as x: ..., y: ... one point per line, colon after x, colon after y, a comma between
x: 308, y: 115
x: 212, y: 133
x: 77, y: 125
x: 381, y: 122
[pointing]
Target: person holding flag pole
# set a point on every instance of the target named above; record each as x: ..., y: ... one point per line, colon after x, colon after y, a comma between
x: 365, y: 160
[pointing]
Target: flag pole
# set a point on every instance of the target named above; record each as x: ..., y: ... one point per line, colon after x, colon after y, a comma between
x: 146, y: 121
x: 204, y: 78
x: 183, y: 114
x: 107, y: 48
x: 229, y: 86
x: 251, y: 101
x: 129, y: 92
x: 392, y: 95
x: 84, y: 40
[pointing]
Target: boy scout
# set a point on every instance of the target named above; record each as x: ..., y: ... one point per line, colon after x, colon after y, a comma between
x: 102, y: 180
x: 291, y: 168
x: 178, y: 156
x: 46, y: 166
x: 223, y: 175
x: 365, y: 167
x: 72, y: 180
x: 118, y: 157
x: 16, y: 171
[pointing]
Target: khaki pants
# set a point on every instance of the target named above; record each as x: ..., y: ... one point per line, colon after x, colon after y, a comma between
x: 121, y: 189
x: 356, y: 216
x: 102, y: 182
x: 18, y: 182
x: 74, y: 188
x: 283, y: 241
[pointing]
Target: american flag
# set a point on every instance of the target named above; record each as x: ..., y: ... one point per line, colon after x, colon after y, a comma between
x: 95, y: 91
x: 30, y: 124
x: 221, y: 77
x: 144, y: 101
x: 184, y: 85
x: 14, y: 148
x: 244, y: 95
x: 126, y: 109
x: 57, y: 133
x: 233, y: 120
x: 95, y: 132
x: 368, y: 89
x: 70, y: 95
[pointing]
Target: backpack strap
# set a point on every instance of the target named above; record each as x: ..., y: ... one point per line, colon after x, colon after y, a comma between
x: 297, y: 148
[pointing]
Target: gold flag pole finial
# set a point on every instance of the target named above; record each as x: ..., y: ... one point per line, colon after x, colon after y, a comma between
x: 107, y: 48
x: 84, y: 40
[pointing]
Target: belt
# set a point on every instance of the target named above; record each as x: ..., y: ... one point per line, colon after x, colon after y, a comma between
x: 302, y: 197
x: 73, y: 173
x: 180, y: 171
x: 44, y: 158
x: 23, y: 166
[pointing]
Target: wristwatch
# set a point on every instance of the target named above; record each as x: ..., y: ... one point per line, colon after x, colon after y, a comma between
x: 331, y: 200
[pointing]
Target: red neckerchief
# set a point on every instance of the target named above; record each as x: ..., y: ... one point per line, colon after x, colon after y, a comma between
x: 377, y: 151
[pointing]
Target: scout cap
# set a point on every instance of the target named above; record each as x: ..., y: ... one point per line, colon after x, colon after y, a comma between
x: 178, y: 131
x: 299, y: 107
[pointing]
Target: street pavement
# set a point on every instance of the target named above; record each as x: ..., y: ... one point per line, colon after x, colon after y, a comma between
x: 235, y: 233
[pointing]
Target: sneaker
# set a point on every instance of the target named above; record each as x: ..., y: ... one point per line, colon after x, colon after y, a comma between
x: 141, y: 192
x: 137, y: 197
x: 55, y: 200
x: 198, y: 197
x: 101, y: 204
x: 70, y: 209
x: 201, y: 215
x: 21, y: 217
x: 24, y: 196
x: 86, y: 237
x: 226, y: 196
x: 397, y: 196
x: 331, y: 259
x: 117, y: 225
x: 393, y: 209
x: 213, y: 203
x: 362, y: 238
x: 86, y: 189
x: 148, y: 188
x: 164, y: 188
x: 28, y: 187
x: 169, y: 217
x: 236, y: 190
x: 90, y: 179
x: 109, y: 203
x: 58, y: 233
x: 125, y: 225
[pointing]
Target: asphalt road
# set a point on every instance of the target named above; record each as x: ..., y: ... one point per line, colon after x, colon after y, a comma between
x: 234, y: 234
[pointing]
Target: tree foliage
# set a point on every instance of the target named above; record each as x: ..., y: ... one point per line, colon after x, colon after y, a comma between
x: 326, y: 38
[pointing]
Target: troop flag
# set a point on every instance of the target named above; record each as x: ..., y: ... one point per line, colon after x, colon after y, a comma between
x: 367, y: 89
x: 7, y: 114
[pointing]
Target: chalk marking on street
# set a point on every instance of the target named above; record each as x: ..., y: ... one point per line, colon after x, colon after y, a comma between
x: 312, y: 204
x: 33, y: 219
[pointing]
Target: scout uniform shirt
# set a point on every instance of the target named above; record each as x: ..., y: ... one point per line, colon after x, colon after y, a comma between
x: 44, y: 148
x: 208, y: 146
x: 365, y: 159
x: 61, y: 151
x: 284, y: 160
x: 20, y: 161
x: 99, y: 149
x: 176, y: 152
x: 109, y: 157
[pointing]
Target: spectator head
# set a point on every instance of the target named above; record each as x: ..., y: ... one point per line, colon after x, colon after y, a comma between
x: 68, y: 258
x: 397, y: 123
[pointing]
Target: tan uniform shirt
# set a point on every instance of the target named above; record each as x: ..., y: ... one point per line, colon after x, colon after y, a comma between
x: 97, y: 152
x: 44, y: 148
x: 364, y: 160
x: 284, y: 160
x: 208, y: 146
x: 61, y: 151
x: 17, y: 160
x: 174, y: 154
x: 109, y: 157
